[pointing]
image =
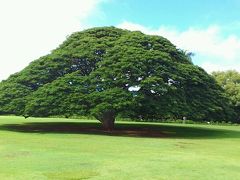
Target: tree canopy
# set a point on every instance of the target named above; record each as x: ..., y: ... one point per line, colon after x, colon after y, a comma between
x: 230, y: 82
x: 109, y: 72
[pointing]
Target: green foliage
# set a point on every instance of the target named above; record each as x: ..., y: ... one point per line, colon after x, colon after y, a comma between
x: 230, y: 82
x: 104, y: 70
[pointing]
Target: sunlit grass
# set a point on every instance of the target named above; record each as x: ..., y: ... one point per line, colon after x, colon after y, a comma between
x: 41, y: 148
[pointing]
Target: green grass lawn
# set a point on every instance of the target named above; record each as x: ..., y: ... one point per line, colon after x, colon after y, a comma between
x: 40, y: 148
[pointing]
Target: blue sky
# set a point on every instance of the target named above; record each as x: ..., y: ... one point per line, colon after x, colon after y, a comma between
x: 209, y: 28
x: 181, y: 14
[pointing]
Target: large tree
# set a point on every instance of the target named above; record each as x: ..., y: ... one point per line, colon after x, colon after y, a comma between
x: 108, y: 72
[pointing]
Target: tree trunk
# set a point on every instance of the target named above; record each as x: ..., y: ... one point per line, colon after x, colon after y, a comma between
x: 108, y: 120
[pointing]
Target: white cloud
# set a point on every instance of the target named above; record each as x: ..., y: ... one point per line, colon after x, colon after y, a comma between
x: 32, y: 28
x: 210, y: 67
x: 208, y: 43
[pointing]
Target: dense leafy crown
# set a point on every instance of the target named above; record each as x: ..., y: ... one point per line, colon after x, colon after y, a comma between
x: 115, y: 71
x: 230, y: 82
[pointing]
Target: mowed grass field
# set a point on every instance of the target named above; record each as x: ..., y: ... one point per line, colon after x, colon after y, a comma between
x: 53, y: 148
